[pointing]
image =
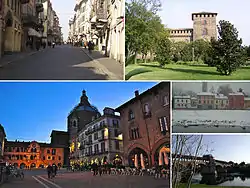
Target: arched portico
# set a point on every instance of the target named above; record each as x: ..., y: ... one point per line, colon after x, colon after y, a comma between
x: 138, y: 158
x: 162, y: 155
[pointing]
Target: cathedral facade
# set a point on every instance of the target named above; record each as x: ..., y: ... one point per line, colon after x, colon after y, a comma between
x: 204, y: 27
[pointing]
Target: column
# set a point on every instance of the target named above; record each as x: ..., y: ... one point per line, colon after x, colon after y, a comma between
x: 160, y: 159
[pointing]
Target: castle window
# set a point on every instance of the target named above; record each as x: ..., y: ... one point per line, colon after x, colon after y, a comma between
x: 204, y: 31
x: 165, y: 100
x: 163, y: 124
x: 131, y: 115
x: 204, y: 22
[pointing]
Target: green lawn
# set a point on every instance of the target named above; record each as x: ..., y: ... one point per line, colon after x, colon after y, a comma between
x: 208, y: 186
x: 152, y: 71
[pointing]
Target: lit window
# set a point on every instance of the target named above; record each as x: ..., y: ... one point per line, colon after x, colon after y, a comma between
x: 163, y: 124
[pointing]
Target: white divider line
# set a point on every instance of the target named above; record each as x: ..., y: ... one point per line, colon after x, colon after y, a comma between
x: 50, y: 182
x: 40, y: 182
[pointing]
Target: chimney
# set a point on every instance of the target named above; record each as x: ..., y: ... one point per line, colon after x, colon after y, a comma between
x: 136, y: 93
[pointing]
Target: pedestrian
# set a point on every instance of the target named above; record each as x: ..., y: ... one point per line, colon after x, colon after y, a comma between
x: 90, y: 46
x: 100, y: 168
x: 49, y: 171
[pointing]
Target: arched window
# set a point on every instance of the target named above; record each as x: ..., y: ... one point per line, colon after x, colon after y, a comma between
x: 204, y: 22
x: 74, y: 123
x: 131, y: 115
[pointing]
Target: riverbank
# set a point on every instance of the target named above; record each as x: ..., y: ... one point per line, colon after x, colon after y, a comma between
x: 208, y: 186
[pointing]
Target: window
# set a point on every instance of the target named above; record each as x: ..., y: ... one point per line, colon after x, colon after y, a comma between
x: 204, y: 31
x: 59, y: 158
x: 115, y: 132
x: 131, y: 115
x: 102, y: 146
x: 95, y: 136
x: 53, y: 151
x: 166, y: 101
x: 117, y: 146
x: 90, y: 138
x: 204, y: 22
x: 146, y: 109
x: 96, y: 148
x: 49, y: 157
x: 43, y: 157
x: 48, y: 151
x: 163, y: 124
x: 115, y: 123
x: 134, y: 133
x: 90, y: 150
x: 53, y: 158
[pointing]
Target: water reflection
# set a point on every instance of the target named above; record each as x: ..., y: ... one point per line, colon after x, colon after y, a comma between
x: 232, y: 180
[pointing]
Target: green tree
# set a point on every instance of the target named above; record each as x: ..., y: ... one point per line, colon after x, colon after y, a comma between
x: 177, y: 50
x: 228, y: 54
x: 142, y: 27
x: 163, y: 49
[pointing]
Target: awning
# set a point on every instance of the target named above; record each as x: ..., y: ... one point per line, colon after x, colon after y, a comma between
x: 34, y: 33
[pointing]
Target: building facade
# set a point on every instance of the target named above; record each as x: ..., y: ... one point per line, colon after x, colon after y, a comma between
x: 12, y: 32
x: 100, y: 141
x: 32, y: 154
x: 182, y: 102
x: 2, y: 142
x: 145, y: 122
x: 204, y: 27
x: 221, y: 102
x: 205, y: 100
x: 236, y: 101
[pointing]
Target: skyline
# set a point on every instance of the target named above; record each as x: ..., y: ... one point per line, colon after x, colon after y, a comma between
x: 23, y: 103
x: 65, y: 11
x: 197, y: 86
x: 177, y: 13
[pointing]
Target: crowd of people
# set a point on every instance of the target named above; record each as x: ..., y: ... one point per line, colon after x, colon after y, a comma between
x: 52, y: 171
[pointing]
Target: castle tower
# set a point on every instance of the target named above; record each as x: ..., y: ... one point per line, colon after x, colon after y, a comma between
x: 204, y: 87
x: 204, y: 25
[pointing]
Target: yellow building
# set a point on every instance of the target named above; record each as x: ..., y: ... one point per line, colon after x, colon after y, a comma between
x: 12, y: 27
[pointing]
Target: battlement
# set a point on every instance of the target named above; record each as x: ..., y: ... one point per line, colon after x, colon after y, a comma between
x: 203, y: 15
x: 181, y: 31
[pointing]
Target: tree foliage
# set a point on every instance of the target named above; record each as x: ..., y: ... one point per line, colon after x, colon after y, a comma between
x: 228, y: 54
x: 143, y: 26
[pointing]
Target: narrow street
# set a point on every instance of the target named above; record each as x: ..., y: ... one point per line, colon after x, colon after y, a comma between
x: 38, y: 179
x: 62, y: 63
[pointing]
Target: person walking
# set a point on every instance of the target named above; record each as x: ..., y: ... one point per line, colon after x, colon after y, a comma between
x: 49, y: 171
x: 90, y: 46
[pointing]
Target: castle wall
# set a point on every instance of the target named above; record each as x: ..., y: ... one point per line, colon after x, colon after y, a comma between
x: 177, y: 35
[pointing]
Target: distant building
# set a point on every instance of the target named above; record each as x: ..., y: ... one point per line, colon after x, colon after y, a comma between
x: 2, y: 142
x: 194, y: 102
x: 32, y: 154
x: 99, y: 141
x: 61, y: 139
x: 204, y: 87
x: 182, y: 102
x: 221, y: 102
x: 236, y: 101
x: 247, y: 102
x: 205, y: 100
x: 145, y: 121
x: 204, y: 27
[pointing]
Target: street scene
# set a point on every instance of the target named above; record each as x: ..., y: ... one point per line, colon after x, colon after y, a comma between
x: 78, y: 40
x: 84, y: 144
x: 206, y: 161
x: 203, y: 41
x: 211, y: 107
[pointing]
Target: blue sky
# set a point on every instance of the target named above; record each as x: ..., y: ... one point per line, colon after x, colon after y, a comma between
x: 65, y: 11
x: 29, y: 110
x: 177, y: 13
x: 234, y: 148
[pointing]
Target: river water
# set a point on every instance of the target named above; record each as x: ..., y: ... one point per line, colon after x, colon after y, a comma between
x: 241, y: 118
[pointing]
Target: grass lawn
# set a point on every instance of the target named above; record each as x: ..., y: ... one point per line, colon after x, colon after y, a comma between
x: 152, y: 71
x: 207, y: 186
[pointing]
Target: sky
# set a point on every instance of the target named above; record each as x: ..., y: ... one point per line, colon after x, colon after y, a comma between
x: 234, y: 148
x: 197, y: 86
x: 177, y: 13
x: 30, y: 110
x: 65, y: 11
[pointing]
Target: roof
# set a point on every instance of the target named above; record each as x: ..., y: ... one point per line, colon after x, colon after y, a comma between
x: 221, y: 96
x: 205, y: 93
x: 59, y: 132
x: 154, y: 88
x: 183, y: 97
x: 238, y: 93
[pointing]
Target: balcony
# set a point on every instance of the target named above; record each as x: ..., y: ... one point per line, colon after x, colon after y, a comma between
x: 29, y: 20
x: 39, y: 7
x: 24, y: 1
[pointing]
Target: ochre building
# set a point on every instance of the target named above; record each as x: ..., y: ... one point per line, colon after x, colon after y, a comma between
x: 32, y: 154
x: 145, y: 123
x: 204, y: 27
